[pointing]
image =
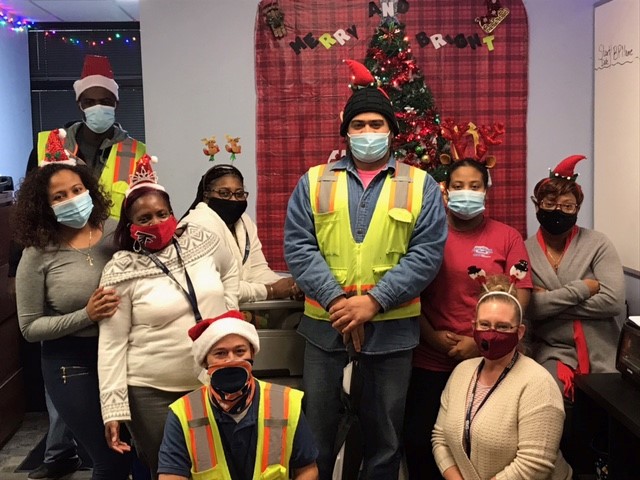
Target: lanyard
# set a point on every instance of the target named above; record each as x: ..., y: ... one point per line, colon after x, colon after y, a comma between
x: 468, y: 419
x: 247, y: 246
x: 191, y: 294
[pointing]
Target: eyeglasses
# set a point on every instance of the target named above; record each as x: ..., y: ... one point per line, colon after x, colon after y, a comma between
x: 227, y: 194
x: 568, y: 208
x: 500, y: 327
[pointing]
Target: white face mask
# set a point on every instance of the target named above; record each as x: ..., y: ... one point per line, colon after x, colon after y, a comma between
x: 369, y: 147
x: 100, y: 118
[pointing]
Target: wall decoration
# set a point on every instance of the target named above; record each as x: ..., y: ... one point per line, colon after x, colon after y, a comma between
x: 468, y: 76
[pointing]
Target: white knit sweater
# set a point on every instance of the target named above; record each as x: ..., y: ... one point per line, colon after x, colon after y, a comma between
x: 516, y: 433
x: 145, y: 343
x: 254, y: 270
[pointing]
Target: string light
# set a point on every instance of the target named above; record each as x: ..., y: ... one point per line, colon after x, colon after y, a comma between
x: 14, y: 22
x: 91, y: 40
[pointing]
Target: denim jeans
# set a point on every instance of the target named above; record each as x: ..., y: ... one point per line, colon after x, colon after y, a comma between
x: 423, y: 405
x: 69, y: 369
x: 60, y: 444
x: 385, y: 379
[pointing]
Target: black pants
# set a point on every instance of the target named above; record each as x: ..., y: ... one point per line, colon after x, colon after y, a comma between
x: 423, y: 403
x: 69, y: 368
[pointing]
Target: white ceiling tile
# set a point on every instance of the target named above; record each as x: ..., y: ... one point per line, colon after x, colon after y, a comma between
x: 76, y: 10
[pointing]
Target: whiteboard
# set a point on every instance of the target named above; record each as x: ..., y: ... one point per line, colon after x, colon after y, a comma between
x: 616, y: 209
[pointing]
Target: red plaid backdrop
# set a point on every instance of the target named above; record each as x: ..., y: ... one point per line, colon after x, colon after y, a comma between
x: 302, y: 87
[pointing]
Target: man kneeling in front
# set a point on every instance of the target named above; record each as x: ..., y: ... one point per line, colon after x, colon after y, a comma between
x: 237, y: 427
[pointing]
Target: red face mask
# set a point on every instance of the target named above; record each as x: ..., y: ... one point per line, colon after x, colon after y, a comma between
x: 154, y: 237
x: 493, y: 344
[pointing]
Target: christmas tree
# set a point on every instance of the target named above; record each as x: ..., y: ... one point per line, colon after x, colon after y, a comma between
x: 389, y: 59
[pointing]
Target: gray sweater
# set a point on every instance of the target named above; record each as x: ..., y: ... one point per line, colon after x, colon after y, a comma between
x: 551, y: 313
x: 54, y: 284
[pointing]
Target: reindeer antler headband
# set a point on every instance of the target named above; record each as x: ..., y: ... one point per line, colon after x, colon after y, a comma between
x: 516, y: 273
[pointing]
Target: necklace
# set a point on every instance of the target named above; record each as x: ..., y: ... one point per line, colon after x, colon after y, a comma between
x: 555, y: 262
x: 87, y: 254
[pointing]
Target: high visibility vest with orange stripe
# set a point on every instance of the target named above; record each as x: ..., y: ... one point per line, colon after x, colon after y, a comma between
x: 115, y: 174
x: 278, y: 414
x: 358, y: 267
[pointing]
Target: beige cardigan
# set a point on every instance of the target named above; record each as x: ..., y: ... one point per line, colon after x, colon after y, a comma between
x: 515, y: 435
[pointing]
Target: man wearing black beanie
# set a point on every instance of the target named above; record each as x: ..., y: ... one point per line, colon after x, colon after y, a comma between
x: 363, y: 237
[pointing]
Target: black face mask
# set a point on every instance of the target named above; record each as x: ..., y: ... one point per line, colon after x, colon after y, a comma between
x: 555, y: 221
x: 229, y: 211
x: 229, y: 379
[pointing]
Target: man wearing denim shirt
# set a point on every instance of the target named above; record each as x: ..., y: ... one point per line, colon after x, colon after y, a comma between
x: 363, y: 237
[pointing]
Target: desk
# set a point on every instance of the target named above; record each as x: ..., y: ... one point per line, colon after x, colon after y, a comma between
x: 619, y: 400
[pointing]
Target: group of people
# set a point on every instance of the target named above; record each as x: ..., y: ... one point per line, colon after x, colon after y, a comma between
x: 430, y: 298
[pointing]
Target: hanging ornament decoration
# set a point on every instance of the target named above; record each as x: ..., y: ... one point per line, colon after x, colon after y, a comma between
x: 496, y: 13
x: 274, y: 17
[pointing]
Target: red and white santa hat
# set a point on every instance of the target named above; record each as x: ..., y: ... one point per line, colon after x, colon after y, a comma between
x: 207, y: 333
x: 144, y: 176
x: 54, y: 151
x: 96, y: 73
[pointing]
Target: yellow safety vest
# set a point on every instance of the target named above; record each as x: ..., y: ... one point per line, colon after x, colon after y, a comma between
x: 115, y: 174
x: 278, y: 414
x: 358, y: 267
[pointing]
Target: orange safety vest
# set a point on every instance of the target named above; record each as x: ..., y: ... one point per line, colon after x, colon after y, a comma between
x: 117, y: 170
x: 279, y: 410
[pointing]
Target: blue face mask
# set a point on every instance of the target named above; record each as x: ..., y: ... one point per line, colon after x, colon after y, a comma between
x: 369, y: 147
x: 74, y: 212
x: 99, y: 118
x: 466, y: 204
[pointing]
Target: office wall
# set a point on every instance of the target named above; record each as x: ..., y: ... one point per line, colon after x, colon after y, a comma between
x: 15, y: 103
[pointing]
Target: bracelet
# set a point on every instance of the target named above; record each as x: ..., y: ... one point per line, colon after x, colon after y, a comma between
x: 269, y: 292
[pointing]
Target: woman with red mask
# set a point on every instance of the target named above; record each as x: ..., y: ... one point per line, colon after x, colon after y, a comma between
x: 167, y: 279
x: 501, y: 415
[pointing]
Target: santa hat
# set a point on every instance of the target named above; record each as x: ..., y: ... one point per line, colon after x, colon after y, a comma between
x: 367, y: 97
x: 54, y: 151
x: 207, y: 333
x: 96, y: 73
x: 565, y: 169
x: 144, y: 176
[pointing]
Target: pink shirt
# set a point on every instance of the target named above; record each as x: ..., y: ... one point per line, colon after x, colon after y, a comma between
x: 449, y: 302
x: 367, y: 175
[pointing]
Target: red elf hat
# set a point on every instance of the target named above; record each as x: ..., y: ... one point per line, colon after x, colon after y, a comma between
x: 565, y: 169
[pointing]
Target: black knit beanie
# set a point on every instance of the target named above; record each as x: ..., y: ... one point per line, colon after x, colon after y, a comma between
x: 368, y: 99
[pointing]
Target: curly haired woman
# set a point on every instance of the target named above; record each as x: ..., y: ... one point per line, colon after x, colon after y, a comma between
x: 61, y: 219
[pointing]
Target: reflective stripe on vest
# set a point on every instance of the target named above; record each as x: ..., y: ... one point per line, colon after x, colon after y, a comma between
x: 115, y: 174
x: 358, y: 267
x: 401, y: 194
x: 278, y: 413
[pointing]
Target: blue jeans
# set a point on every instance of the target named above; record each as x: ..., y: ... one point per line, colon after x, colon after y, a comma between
x: 385, y: 380
x: 69, y: 369
x: 60, y: 444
